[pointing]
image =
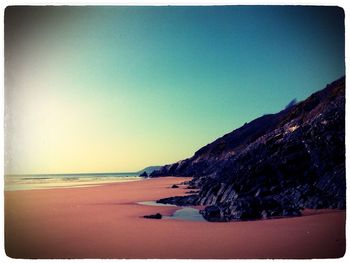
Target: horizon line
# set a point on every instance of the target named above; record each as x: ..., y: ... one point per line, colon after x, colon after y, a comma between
x: 88, y: 173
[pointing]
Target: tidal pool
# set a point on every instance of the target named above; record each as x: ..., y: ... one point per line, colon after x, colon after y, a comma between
x: 184, y: 213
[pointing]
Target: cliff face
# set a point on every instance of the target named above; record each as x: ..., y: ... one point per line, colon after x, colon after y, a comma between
x: 275, y: 165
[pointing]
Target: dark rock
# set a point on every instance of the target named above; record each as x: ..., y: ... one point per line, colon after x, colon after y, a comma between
x: 212, y: 214
x: 291, y: 212
x: 187, y: 200
x: 155, y: 216
x: 149, y: 169
x: 144, y: 174
x: 192, y: 192
x: 275, y: 165
x: 174, y: 186
x: 264, y: 215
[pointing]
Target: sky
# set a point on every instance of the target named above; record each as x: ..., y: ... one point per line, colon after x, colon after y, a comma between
x: 116, y: 89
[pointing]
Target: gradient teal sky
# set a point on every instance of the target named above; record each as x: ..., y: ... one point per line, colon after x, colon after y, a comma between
x: 105, y: 89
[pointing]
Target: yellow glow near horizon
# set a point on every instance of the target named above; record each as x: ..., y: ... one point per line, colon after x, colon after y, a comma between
x: 78, y: 136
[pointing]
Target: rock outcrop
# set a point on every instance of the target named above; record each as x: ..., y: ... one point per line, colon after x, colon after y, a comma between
x: 180, y: 200
x: 155, y: 216
x: 275, y: 165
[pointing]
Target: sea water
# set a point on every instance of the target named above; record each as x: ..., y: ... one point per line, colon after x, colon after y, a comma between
x: 47, y: 181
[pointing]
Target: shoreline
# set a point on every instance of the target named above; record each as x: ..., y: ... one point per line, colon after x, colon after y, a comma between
x: 105, y: 221
x: 16, y: 184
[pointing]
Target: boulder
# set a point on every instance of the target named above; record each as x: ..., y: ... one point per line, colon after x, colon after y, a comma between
x: 155, y: 216
x: 212, y: 213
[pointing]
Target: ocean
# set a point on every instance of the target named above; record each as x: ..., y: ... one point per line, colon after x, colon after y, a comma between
x: 47, y: 181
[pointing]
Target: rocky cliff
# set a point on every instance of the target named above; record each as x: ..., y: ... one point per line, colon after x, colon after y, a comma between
x: 275, y: 165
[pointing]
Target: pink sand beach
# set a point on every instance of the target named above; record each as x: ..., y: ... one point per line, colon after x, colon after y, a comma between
x: 106, y: 222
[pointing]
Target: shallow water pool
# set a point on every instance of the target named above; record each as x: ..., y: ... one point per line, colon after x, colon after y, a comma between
x: 184, y: 213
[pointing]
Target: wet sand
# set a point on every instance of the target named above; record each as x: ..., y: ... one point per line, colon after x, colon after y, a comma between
x: 106, y: 222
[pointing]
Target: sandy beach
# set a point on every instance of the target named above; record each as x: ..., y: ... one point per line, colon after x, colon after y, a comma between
x: 106, y: 222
